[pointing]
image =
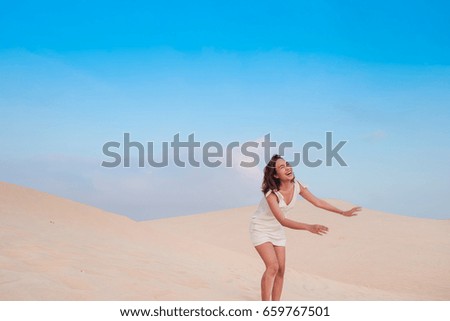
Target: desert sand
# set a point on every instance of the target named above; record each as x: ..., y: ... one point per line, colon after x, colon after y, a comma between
x: 56, y: 249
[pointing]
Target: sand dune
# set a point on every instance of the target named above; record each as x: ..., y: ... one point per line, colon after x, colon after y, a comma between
x: 56, y: 249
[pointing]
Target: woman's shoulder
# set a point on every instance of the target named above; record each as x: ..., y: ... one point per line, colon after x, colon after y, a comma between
x: 273, y: 194
x: 300, y: 185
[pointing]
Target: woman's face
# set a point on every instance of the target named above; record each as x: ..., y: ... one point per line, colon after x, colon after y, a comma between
x: 283, y: 170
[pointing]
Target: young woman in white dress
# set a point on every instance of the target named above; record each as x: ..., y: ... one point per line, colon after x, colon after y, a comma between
x: 267, y: 224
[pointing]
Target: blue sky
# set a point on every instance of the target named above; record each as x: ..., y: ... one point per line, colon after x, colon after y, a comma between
x: 76, y: 75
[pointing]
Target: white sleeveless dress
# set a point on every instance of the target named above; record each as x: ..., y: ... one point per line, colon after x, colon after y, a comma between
x: 264, y: 227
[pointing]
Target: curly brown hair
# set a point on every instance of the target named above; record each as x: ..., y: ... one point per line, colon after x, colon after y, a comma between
x: 270, y: 182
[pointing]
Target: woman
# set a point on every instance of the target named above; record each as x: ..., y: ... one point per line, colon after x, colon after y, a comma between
x: 266, y: 229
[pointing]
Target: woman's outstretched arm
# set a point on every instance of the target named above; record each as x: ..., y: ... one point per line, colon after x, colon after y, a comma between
x: 274, y: 207
x: 307, y: 195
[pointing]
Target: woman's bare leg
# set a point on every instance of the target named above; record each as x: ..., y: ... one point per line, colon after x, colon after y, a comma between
x: 269, y: 256
x: 280, y: 251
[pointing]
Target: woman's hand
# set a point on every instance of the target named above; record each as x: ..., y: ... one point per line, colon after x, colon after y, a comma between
x: 352, y: 211
x: 317, y: 229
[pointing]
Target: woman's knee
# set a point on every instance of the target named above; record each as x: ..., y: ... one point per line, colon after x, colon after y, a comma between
x: 272, y: 268
x: 280, y: 271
